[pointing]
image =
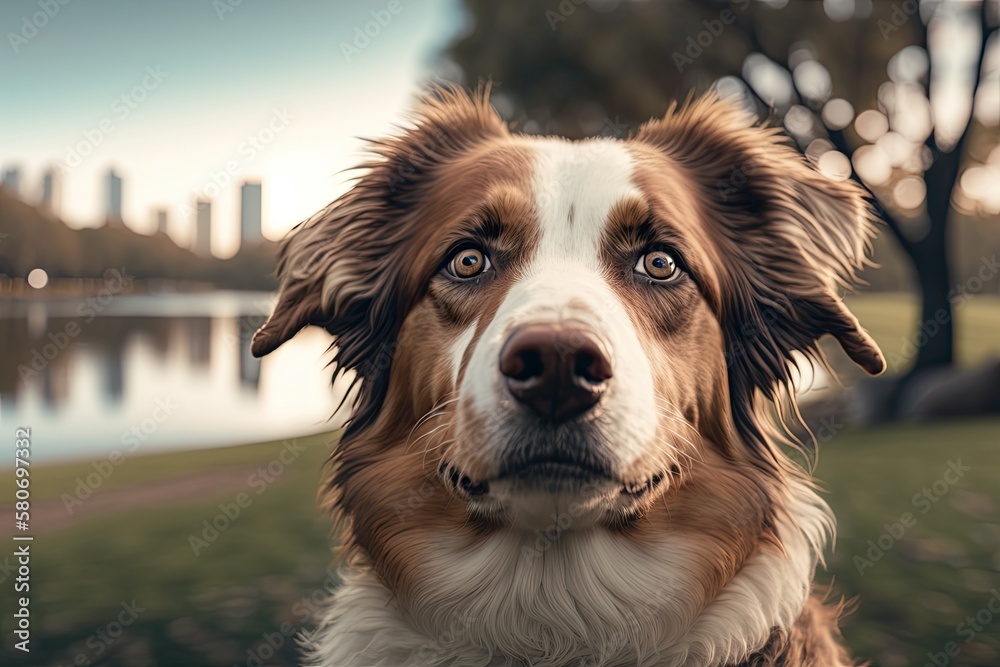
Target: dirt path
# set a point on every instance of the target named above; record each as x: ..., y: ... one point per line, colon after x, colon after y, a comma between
x: 52, y: 514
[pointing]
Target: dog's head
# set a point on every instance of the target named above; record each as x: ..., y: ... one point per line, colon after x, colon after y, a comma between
x: 538, y: 322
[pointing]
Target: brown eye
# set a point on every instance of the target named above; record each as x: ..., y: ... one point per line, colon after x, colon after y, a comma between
x: 658, y: 265
x: 468, y: 263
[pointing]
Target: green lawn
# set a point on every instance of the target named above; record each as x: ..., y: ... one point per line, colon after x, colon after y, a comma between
x: 52, y: 481
x: 262, y: 571
x: 945, y: 565
x: 204, y: 609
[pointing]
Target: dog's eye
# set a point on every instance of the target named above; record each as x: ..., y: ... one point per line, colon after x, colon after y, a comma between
x: 658, y: 265
x: 468, y: 263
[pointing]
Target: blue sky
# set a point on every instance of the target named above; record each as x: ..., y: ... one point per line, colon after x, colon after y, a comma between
x: 176, y: 94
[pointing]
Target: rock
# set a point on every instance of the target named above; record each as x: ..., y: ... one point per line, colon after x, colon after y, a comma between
x: 951, y: 392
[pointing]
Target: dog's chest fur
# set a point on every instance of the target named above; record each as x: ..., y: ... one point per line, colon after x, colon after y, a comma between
x: 583, y: 599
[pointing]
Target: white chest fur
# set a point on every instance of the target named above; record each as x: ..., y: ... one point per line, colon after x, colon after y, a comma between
x: 586, y: 599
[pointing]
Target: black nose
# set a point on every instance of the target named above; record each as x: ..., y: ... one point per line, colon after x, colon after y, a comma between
x: 558, y: 370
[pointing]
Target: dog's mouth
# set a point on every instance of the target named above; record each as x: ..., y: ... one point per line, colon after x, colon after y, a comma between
x: 551, y: 473
x: 637, y: 490
x: 461, y: 483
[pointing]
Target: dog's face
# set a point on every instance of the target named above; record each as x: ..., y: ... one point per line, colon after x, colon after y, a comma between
x: 571, y: 350
x: 545, y: 326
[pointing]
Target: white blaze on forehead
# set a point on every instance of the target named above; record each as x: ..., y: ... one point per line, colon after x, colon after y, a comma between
x: 576, y: 184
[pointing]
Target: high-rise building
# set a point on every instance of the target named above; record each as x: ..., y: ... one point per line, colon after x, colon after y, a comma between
x: 250, y: 213
x: 11, y: 180
x: 203, y: 229
x: 114, y: 198
x: 51, y: 190
x: 160, y: 218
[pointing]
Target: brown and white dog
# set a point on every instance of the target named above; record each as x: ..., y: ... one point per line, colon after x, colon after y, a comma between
x: 560, y: 453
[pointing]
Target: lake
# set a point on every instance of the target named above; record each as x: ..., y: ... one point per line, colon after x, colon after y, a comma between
x: 141, y: 373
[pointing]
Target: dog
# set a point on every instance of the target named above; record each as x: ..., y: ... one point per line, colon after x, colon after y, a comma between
x: 567, y: 360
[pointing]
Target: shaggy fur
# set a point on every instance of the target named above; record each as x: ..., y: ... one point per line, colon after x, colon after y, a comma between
x: 682, y: 533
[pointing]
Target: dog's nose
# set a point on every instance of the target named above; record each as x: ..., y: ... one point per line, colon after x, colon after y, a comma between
x: 559, y: 370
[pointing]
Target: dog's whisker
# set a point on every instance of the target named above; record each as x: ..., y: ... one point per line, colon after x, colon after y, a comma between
x: 423, y: 461
x: 435, y: 411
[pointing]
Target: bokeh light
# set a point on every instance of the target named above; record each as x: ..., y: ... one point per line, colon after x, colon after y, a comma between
x: 838, y: 113
x: 872, y: 165
x: 871, y: 124
x: 38, y: 278
x: 909, y: 193
x: 835, y: 165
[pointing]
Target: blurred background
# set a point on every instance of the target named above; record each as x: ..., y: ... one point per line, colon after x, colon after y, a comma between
x: 152, y: 154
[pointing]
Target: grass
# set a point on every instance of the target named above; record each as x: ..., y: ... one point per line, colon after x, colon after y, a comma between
x: 269, y: 565
x: 207, y: 608
x: 52, y: 481
x: 944, y: 566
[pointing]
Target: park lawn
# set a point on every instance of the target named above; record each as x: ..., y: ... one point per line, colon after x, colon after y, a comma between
x: 207, y: 608
x: 945, y: 566
x: 53, y: 480
x: 891, y: 318
x: 262, y: 571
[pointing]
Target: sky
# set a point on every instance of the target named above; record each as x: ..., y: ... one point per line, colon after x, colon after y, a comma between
x: 189, y: 98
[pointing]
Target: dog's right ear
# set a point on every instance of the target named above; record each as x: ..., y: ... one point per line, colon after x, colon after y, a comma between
x: 343, y: 268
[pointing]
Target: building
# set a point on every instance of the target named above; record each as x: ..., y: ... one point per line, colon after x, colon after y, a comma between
x: 160, y: 218
x: 250, y: 214
x: 51, y: 191
x: 203, y: 229
x: 114, y: 198
x: 11, y: 180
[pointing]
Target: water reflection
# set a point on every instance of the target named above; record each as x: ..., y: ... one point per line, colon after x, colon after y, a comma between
x: 83, y: 382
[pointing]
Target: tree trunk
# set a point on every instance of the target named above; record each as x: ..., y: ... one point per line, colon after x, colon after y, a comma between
x: 936, y: 334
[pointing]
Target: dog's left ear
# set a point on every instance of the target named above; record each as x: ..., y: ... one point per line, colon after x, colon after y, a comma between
x: 788, y: 238
x: 345, y: 269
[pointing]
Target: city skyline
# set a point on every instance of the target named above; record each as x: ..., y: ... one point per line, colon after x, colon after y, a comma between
x: 178, y: 122
x: 48, y: 198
